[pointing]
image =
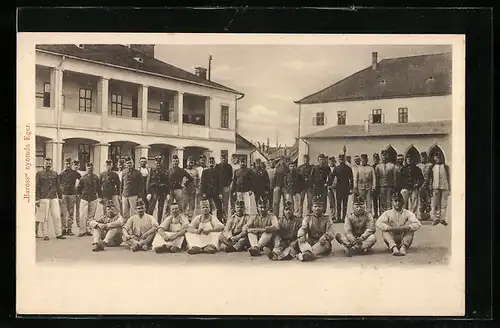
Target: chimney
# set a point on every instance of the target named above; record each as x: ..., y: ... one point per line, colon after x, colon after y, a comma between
x: 374, y: 60
x: 367, y: 126
x: 201, y: 72
x: 147, y: 49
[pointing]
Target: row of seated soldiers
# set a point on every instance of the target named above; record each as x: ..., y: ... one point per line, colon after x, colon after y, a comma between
x: 285, y: 238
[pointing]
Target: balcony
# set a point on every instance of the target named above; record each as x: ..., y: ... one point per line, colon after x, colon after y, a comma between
x: 80, y: 119
x: 225, y: 134
x: 195, y: 131
x: 162, y: 127
x: 45, y: 115
x: 128, y: 124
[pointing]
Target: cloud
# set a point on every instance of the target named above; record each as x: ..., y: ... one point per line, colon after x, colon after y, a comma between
x: 263, y: 115
x: 281, y: 96
x: 225, y: 72
x: 302, y: 66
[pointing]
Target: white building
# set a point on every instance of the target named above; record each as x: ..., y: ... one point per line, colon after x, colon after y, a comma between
x: 95, y: 102
x: 402, y: 104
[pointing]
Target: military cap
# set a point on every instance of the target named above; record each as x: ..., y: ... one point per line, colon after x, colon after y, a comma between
x: 202, y: 156
x: 139, y: 202
x: 359, y: 201
x: 48, y: 159
x: 234, y: 156
x: 262, y: 201
x: 364, y: 156
x: 383, y: 151
x: 109, y: 162
x: 175, y: 157
x: 331, y: 158
x: 240, y: 203
x: 67, y: 161
x: 174, y: 204
x: 158, y: 159
x: 376, y: 155
x: 110, y: 203
x: 321, y: 155
x: 397, y: 197
x: 90, y: 164
x: 356, y: 156
x: 318, y: 200
x: 128, y: 159
x: 424, y: 153
x: 211, y: 159
x: 204, y: 202
x: 341, y: 156
x: 288, y: 205
x: 258, y: 160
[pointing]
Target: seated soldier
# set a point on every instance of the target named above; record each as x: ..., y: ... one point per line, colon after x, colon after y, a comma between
x: 398, y: 226
x: 140, y: 229
x: 107, y: 229
x: 233, y: 238
x: 316, y: 233
x: 285, y: 239
x: 260, y: 229
x: 170, y: 235
x: 202, y: 235
x: 359, y: 227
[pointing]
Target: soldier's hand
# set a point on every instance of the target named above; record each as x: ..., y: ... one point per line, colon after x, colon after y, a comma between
x: 250, y: 193
x: 37, y: 203
x: 234, y: 239
x: 148, y: 197
x: 302, y: 239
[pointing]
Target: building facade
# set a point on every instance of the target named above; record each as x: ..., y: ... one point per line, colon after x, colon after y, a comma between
x: 403, y: 105
x: 99, y: 102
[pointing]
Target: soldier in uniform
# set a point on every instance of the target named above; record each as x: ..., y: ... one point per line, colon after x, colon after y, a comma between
x: 171, y: 232
x: 204, y: 231
x: 234, y: 238
x: 157, y: 188
x: 294, y: 183
x: 110, y: 184
x: 424, y: 195
x: 132, y: 188
x: 76, y: 167
x: 107, y: 229
x: 242, y: 185
x: 68, y: 178
x: 359, y: 230
x: 385, y: 173
x: 211, y: 187
x: 315, y: 234
x: 398, y: 226
x: 145, y: 171
x: 331, y: 192
x: 343, y: 187
x: 411, y: 181
x: 176, y: 177
x: 305, y: 170
x: 260, y: 229
x: 279, y: 191
x: 318, y: 179
x: 261, y: 184
x: 439, y: 184
x: 375, y: 195
x: 400, y: 162
x: 286, y: 245
x: 140, y: 229
x: 226, y: 172
x: 89, y: 189
x: 365, y: 182
x: 190, y: 188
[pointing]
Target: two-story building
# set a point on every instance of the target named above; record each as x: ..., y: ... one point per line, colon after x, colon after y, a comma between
x: 403, y: 105
x: 99, y: 102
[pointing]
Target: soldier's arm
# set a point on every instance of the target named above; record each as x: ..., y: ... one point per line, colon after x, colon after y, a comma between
x: 304, y: 228
x: 329, y: 233
x: 370, y: 227
x: 383, y: 222
x: 94, y: 222
x: 274, y: 225
x: 126, y: 228
x: 217, y: 226
x: 193, y: 226
x: 348, y: 229
x: 164, y: 226
x: 413, y: 222
x: 116, y: 223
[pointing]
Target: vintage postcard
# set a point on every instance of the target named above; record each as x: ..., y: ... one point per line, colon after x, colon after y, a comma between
x: 210, y: 174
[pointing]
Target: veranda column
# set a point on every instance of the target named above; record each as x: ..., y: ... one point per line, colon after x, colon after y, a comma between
x: 180, y: 155
x: 102, y: 100
x: 143, y: 107
x: 53, y: 149
x: 100, y: 157
x: 179, y: 108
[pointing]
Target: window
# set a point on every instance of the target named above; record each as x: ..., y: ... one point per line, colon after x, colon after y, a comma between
x: 85, y: 100
x: 46, y: 95
x: 224, y: 152
x: 115, y: 153
x: 83, y: 155
x: 39, y: 156
x: 116, y: 104
x: 403, y: 115
x: 376, y: 116
x: 224, y: 117
x: 341, y: 115
x: 319, y: 119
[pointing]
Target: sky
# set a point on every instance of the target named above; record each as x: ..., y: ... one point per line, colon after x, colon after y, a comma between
x: 272, y: 77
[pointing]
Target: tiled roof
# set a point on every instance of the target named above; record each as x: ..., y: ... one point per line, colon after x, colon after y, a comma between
x: 121, y: 55
x: 424, y: 75
x: 386, y: 129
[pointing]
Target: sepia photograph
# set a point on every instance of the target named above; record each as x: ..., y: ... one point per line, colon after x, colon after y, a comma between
x: 243, y: 156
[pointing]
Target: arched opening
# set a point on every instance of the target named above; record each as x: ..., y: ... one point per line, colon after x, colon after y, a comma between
x: 80, y: 149
x: 413, y: 153
x: 195, y: 152
x: 120, y: 150
x: 433, y: 151
x: 164, y: 150
x: 40, y: 151
x: 391, y: 154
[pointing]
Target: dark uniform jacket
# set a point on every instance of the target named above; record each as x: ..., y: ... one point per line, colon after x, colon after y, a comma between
x: 343, y: 175
x: 411, y: 177
x: 132, y: 183
x: 47, y: 185
x: 157, y: 181
x: 89, y: 187
x: 261, y: 182
x: 175, y: 177
x: 210, y: 183
x: 305, y: 171
x: 110, y: 184
x: 243, y: 180
x: 67, y: 179
x: 279, y: 176
x: 319, y: 176
x: 226, y: 174
x: 294, y: 182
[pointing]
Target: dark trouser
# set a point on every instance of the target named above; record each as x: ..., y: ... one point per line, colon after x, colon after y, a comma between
x: 77, y: 209
x: 218, y: 206
x: 385, y: 195
x: 342, y: 198
x: 322, y: 193
x: 144, y: 198
x: 375, y: 195
x: 270, y: 196
x: 233, y: 203
x: 157, y: 196
x: 309, y: 194
x: 425, y: 204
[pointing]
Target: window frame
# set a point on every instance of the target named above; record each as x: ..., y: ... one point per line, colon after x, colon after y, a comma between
x: 224, y: 116
x: 319, y: 117
x: 83, y: 156
x: 376, y: 111
x: 341, y: 117
x: 403, y: 115
x: 46, y: 94
x: 87, y: 98
x: 116, y: 104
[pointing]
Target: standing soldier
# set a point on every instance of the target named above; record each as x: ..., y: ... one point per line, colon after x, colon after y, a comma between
x: 294, y: 183
x: 132, y: 188
x: 48, y: 193
x: 270, y: 172
x: 226, y: 172
x: 305, y: 170
x: 76, y: 167
x: 439, y: 185
x: 261, y: 183
x: 121, y: 168
x: 286, y: 245
x: 343, y: 187
x: 211, y: 188
x: 279, y: 185
x: 242, y: 186
x: 190, y: 189
x: 175, y: 177
x: 89, y: 190
x: 375, y: 195
x: 359, y: 227
x: 365, y: 182
x: 68, y: 178
x: 157, y: 188
x: 400, y: 162
x: 316, y: 233
x: 235, y: 164
x: 202, y: 166
x: 385, y: 173
x: 425, y: 203
x: 110, y: 184
x: 143, y: 162
x: 411, y: 181
x: 331, y: 191
x: 318, y: 179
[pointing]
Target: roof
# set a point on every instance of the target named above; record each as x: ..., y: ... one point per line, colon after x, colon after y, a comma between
x: 242, y: 143
x: 121, y: 55
x: 393, y: 78
x: 292, y: 152
x: 386, y: 129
